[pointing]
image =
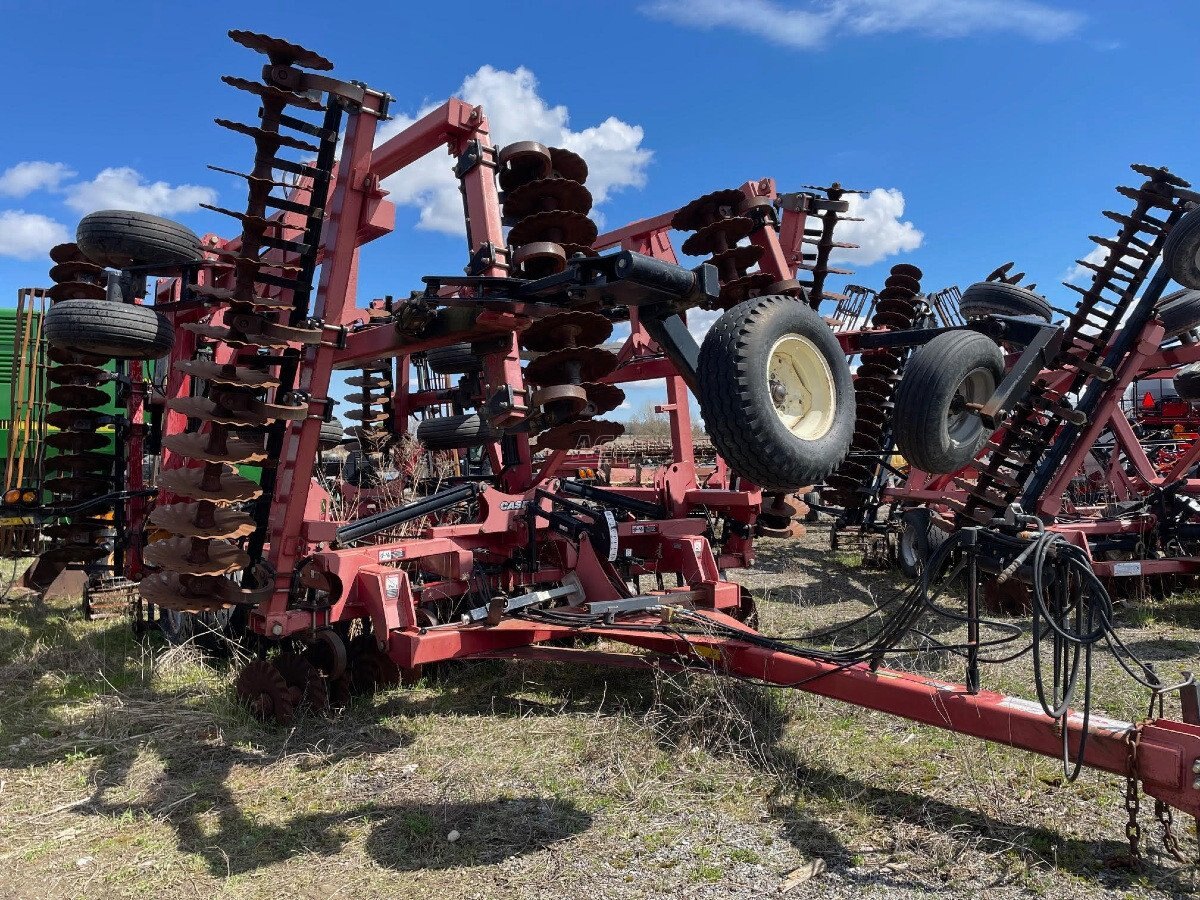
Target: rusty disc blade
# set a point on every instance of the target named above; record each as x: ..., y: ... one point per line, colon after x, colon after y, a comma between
x: 88, y: 485
x: 200, y: 595
x: 557, y: 226
x: 182, y: 519
x: 368, y: 416
x: 77, y: 373
x: 876, y: 386
x: 891, y: 320
x: 208, y: 411
x: 561, y: 400
x: 227, y: 374
x: 708, y: 209
x: 572, y: 366
x: 908, y: 270
x: 75, y: 419
x: 564, y: 330
x: 233, y: 338
x: 718, y: 236
x: 69, y: 252
x: 539, y: 259
x: 80, y: 462
x: 190, y: 483
x: 77, y: 441
x: 580, y: 435
x: 191, y: 557
x: 868, y: 415
x: 269, y: 91
x: 741, y: 257
x: 544, y: 194
x: 77, y: 290
x: 602, y: 398
x: 370, y: 382
x: 882, y: 357
x: 67, y: 357
x: 568, y: 165
x: 899, y: 307
x: 866, y: 442
x: 76, y: 270
x: 199, y: 446
x: 77, y: 396
x: 747, y: 286
x: 523, y: 161
x: 281, y: 52
x: 876, y: 370
x: 368, y: 398
x: 891, y: 292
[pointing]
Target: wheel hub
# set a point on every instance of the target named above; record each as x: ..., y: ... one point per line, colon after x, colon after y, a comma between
x: 800, y: 384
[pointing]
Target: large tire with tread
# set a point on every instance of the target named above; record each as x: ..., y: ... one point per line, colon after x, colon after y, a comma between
x: 776, y: 394
x: 934, y: 431
x: 455, y: 432
x: 995, y: 298
x: 1181, y: 251
x: 332, y: 433
x: 122, y: 238
x: 1187, y: 382
x: 919, y: 539
x: 104, y: 328
x: 1180, y: 312
x: 457, y: 359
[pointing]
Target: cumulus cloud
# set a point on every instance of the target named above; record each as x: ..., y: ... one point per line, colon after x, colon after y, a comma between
x: 880, y: 234
x: 517, y: 112
x: 125, y: 188
x: 29, y: 235
x: 33, y: 175
x: 812, y: 24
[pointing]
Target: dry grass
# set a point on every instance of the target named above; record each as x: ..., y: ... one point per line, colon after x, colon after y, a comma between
x: 128, y: 771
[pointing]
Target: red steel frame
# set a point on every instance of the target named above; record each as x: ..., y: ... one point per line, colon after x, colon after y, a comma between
x: 375, y: 580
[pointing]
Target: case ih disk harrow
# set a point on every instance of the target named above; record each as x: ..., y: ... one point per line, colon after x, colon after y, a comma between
x: 358, y: 582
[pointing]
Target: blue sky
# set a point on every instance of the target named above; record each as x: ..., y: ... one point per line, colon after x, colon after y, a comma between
x: 995, y: 129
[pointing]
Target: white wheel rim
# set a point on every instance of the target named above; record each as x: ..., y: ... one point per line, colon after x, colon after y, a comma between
x: 800, y: 385
x: 977, y: 387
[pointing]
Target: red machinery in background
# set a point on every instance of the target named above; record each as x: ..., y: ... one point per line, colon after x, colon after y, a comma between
x: 506, y: 556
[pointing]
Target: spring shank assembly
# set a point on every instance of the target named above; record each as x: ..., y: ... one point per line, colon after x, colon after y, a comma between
x: 1021, y: 443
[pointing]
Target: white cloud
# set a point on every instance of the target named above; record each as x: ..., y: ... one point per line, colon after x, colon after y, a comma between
x: 33, y: 175
x: 880, y: 234
x: 811, y: 24
x: 29, y: 235
x: 125, y: 188
x: 700, y: 320
x: 516, y: 112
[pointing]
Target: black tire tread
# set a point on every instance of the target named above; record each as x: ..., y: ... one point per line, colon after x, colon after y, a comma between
x: 997, y: 298
x: 105, y: 328
x: 931, y: 375
x: 119, y: 238
x: 1179, y: 312
x: 455, y: 359
x: 729, y: 404
x: 1181, y: 251
x: 455, y: 432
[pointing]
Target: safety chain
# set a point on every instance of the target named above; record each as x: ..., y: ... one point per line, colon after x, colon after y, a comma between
x: 1163, y: 812
x: 1133, y: 831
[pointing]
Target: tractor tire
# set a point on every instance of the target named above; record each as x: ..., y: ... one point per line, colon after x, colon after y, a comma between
x: 919, y: 539
x: 994, y: 298
x: 1187, y: 382
x: 933, y: 430
x: 776, y: 394
x: 455, y: 432
x: 332, y: 433
x: 121, y: 239
x: 1180, y: 312
x: 1181, y: 251
x: 457, y: 359
x: 111, y: 330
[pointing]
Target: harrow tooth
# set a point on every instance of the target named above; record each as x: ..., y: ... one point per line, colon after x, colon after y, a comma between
x: 1160, y: 173
x: 252, y: 220
x: 271, y: 92
x: 267, y: 179
x: 281, y: 52
x: 265, y: 137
